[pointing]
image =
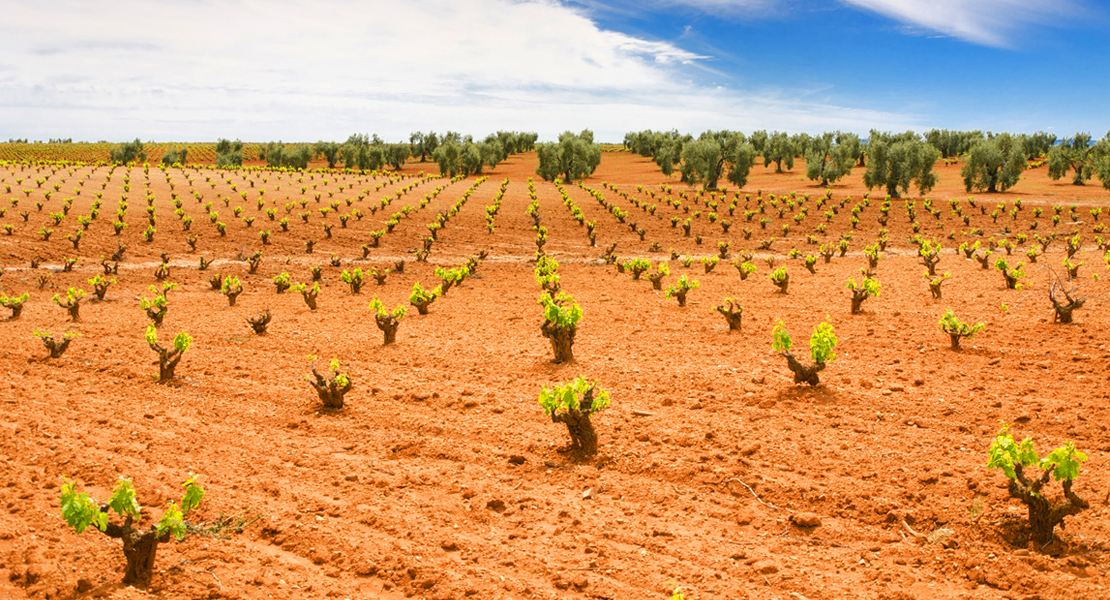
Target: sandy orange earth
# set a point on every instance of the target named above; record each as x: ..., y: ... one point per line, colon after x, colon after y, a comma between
x: 442, y: 478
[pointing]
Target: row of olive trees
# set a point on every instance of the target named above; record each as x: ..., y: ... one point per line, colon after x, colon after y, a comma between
x: 894, y: 161
x: 996, y: 162
x: 829, y: 156
x: 459, y: 155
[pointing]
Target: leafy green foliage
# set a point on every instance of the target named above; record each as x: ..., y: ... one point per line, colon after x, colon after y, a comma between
x: 822, y: 343
x: 421, y: 295
x: 780, y: 338
x: 953, y: 326
x: 637, y: 266
x: 81, y: 511
x: 123, y: 499
x: 568, y: 397
x: 573, y: 157
x: 379, y: 309
x: 1073, y: 154
x: 182, y: 341
x: 708, y: 158
x: 561, y: 311
x: 456, y: 159
x: 546, y: 273
x: 870, y: 286
x: 128, y: 152
x: 826, y: 162
x: 896, y: 162
x: 72, y: 295
x: 779, y: 149
x: 229, y: 154
x: 994, y: 164
x: 1004, y: 453
x: 681, y: 287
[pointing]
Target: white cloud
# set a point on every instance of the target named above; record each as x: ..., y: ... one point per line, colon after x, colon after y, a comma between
x: 307, y: 70
x: 986, y: 22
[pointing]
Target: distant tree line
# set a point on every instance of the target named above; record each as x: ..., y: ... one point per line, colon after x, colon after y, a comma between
x: 893, y: 161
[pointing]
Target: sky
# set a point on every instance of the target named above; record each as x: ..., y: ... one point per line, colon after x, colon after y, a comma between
x: 307, y: 70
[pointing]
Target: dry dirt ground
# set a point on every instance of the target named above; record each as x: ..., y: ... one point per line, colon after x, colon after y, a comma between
x: 442, y: 478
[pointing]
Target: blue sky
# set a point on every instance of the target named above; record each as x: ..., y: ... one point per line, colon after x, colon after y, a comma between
x: 296, y: 70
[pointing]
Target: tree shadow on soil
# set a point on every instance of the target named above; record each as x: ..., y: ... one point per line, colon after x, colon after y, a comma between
x: 819, y: 394
x: 1014, y: 531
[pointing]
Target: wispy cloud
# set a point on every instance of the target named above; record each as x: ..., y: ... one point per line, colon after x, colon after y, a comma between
x: 986, y: 22
x: 322, y: 69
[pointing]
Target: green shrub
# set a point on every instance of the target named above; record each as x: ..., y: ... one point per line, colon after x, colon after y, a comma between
x: 1062, y: 464
x: 167, y: 357
x: 56, y: 347
x: 822, y: 345
x: 780, y: 278
x: 14, y: 303
x: 547, y: 275
x: 231, y: 288
x: 128, y: 152
x: 561, y: 316
x: 139, y: 546
x: 155, y: 307
x: 573, y: 403
x: 71, y: 302
x: 283, y: 282
x: 957, y: 329
x: 422, y: 298
x: 1012, y: 276
x: 681, y: 288
x: 638, y: 266
x: 330, y: 388
x: 862, y: 291
x: 387, y: 321
x: 308, y: 293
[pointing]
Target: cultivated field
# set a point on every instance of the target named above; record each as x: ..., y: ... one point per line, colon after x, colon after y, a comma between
x: 442, y: 477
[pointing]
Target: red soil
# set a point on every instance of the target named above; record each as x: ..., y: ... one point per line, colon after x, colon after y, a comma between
x: 707, y: 452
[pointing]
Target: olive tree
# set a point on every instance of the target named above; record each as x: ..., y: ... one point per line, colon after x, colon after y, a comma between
x: 953, y: 143
x: 423, y: 144
x: 229, y: 153
x: 458, y: 158
x: 828, y: 162
x: 128, y: 152
x: 1102, y: 160
x: 513, y: 142
x: 177, y: 156
x: 853, y: 146
x: 994, y: 164
x: 573, y: 157
x: 779, y: 149
x: 1037, y: 144
x: 1073, y: 154
x: 492, y: 151
x: 329, y: 150
x: 895, y: 162
x: 361, y: 152
x: 395, y: 155
x: 295, y: 157
x: 758, y: 140
x: 706, y: 159
x: 663, y: 147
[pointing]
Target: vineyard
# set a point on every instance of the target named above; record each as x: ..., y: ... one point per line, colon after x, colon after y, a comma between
x: 373, y: 375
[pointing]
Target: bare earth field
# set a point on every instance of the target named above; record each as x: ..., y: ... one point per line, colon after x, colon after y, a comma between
x: 442, y: 478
